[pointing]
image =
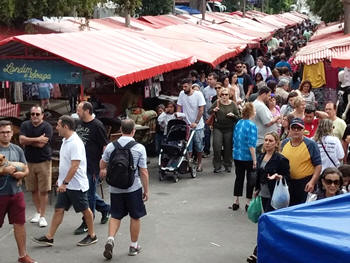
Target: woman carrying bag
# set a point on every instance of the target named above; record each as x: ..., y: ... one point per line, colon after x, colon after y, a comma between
x: 271, y: 166
x: 226, y: 115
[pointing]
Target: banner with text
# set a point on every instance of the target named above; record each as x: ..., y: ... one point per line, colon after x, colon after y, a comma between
x: 46, y: 71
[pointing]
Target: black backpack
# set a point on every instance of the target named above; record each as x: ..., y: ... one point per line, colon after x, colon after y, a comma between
x: 120, y: 169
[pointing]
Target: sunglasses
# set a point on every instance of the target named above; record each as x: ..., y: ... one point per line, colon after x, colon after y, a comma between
x: 224, y: 94
x: 35, y: 114
x: 329, y: 182
x: 217, y: 88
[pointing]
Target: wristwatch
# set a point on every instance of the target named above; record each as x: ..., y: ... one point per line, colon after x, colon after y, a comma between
x: 65, y: 182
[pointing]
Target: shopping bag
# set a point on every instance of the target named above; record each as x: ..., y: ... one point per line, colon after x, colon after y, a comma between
x: 280, y: 197
x: 210, y: 120
x: 255, y: 209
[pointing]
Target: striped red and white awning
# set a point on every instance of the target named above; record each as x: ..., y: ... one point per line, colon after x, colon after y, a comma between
x: 320, y: 50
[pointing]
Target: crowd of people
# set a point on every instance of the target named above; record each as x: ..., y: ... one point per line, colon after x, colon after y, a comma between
x: 80, y: 169
x: 266, y: 120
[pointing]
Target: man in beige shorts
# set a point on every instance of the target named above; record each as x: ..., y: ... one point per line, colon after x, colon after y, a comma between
x: 35, y: 136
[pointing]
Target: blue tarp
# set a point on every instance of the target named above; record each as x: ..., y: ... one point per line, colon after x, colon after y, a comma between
x: 316, y: 232
x: 188, y: 9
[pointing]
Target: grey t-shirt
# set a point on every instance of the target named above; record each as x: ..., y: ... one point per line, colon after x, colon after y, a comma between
x: 263, y: 116
x: 139, y: 154
x: 8, y: 184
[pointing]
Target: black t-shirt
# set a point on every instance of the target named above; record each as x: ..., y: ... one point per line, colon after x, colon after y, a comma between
x: 35, y: 154
x: 245, y: 80
x: 94, y: 136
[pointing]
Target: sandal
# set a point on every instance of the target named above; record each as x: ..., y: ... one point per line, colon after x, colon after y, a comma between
x: 199, y: 169
x: 252, y: 259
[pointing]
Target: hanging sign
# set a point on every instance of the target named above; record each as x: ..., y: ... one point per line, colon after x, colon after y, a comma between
x: 46, y: 71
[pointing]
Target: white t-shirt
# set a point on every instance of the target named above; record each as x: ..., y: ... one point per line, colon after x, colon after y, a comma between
x: 190, y: 106
x: 334, y: 149
x: 263, y: 116
x: 265, y: 71
x: 73, y: 149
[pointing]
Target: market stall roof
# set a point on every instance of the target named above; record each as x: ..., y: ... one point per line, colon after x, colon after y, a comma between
x: 206, y: 45
x: 319, y: 50
x: 160, y: 21
x: 313, y: 232
x: 326, y: 31
x: 341, y: 61
x: 293, y: 17
x: 119, y: 54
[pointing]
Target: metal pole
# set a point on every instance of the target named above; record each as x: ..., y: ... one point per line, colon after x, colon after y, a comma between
x: 262, y: 5
x: 174, y: 7
x: 244, y: 7
x: 203, y: 9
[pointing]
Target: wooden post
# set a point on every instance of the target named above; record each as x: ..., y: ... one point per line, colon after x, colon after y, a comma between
x: 204, y: 6
x: 346, y: 16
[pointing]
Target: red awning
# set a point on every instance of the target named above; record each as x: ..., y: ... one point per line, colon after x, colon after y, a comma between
x: 119, y: 54
x: 319, y: 50
x: 160, y: 21
x: 206, y: 45
x: 327, y: 31
x: 341, y: 61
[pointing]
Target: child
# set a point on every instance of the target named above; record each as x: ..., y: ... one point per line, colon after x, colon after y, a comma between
x: 166, y: 116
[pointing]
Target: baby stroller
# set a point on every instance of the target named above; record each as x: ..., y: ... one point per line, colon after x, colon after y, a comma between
x: 173, y: 157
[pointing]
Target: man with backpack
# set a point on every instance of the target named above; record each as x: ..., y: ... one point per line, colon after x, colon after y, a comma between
x: 124, y: 164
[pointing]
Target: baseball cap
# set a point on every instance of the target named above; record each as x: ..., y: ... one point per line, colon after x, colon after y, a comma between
x: 297, y: 121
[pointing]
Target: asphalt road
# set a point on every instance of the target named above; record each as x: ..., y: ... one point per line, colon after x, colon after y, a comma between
x: 188, y: 221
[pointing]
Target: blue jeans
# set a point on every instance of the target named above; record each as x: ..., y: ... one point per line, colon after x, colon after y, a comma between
x: 206, y: 140
x: 95, y: 201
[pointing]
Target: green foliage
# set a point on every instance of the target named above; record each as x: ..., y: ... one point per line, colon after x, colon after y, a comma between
x: 15, y: 12
x: 279, y: 6
x: 232, y: 5
x: 129, y: 5
x: 156, y: 7
x: 328, y: 10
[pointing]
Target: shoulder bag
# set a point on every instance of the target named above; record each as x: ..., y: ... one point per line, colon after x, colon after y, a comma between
x: 324, y: 148
x: 211, y: 119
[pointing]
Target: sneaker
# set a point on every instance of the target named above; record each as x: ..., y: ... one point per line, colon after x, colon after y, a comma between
x: 133, y: 251
x: 108, y: 253
x: 27, y: 259
x: 42, y: 222
x: 81, y: 229
x: 43, y: 241
x: 88, y: 240
x: 105, y: 217
x: 35, y: 218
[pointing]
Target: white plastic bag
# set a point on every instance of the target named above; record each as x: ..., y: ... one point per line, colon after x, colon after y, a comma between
x: 280, y: 197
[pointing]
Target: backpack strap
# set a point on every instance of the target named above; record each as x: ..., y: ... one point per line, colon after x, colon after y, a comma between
x: 129, y: 145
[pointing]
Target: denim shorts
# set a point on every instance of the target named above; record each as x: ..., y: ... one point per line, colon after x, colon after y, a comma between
x: 197, y: 141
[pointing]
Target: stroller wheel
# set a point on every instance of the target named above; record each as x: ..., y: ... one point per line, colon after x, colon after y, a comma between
x: 193, y: 171
x: 176, y: 179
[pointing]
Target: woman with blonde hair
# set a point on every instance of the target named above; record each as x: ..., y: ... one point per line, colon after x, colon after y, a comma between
x: 299, y: 108
x: 330, y: 146
x: 245, y: 138
x: 271, y: 166
x: 226, y: 115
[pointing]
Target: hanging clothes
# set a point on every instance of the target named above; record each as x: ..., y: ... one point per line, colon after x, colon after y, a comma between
x: 18, y: 92
x: 315, y: 73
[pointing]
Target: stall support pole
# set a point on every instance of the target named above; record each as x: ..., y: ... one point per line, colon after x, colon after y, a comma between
x: 81, y: 92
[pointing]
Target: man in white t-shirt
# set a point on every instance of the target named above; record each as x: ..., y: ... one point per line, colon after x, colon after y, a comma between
x: 72, y: 183
x: 191, y: 103
x: 263, y: 118
x: 265, y: 71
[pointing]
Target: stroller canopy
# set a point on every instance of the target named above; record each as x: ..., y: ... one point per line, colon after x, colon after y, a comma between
x: 314, y: 232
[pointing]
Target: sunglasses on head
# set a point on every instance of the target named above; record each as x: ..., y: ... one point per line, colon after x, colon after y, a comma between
x: 329, y: 182
x: 35, y: 114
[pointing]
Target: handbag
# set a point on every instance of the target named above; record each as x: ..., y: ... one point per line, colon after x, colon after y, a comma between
x: 324, y: 148
x: 211, y: 119
x: 280, y: 197
x: 255, y: 209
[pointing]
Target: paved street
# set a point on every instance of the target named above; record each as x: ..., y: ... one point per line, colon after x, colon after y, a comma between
x: 186, y: 222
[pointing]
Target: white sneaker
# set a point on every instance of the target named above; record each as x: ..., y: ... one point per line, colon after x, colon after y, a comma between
x: 35, y: 218
x: 42, y: 222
